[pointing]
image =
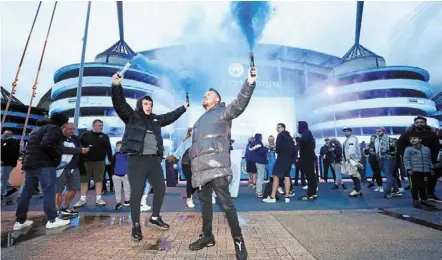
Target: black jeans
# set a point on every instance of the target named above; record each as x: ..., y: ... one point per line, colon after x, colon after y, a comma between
x: 299, y: 172
x: 308, y: 168
x: 188, y: 173
x: 374, y: 164
x: 221, y: 188
x: 419, y: 187
x: 432, y: 181
x: 396, y: 169
x: 140, y: 168
x: 111, y: 182
x: 326, y: 163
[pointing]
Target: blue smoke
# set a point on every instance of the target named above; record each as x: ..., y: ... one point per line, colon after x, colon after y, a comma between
x: 251, y: 18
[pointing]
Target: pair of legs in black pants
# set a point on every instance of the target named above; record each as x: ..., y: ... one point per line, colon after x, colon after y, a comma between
x: 374, y: 164
x: 188, y: 174
x: 308, y: 168
x: 299, y: 172
x: 419, y: 187
x: 326, y: 163
x: 140, y: 168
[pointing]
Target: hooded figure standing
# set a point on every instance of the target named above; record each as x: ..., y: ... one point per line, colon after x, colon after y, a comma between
x: 307, y: 157
x: 210, y: 156
x: 143, y: 141
x: 258, y: 155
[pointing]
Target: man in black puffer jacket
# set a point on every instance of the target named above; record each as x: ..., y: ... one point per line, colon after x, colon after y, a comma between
x: 143, y: 141
x: 42, y: 156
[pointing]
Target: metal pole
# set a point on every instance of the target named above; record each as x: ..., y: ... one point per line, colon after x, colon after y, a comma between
x: 80, y: 73
x: 334, y: 115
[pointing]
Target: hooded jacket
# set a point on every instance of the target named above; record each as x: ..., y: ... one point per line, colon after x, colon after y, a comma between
x: 257, y: 151
x: 45, y: 145
x: 10, y: 151
x: 307, y: 142
x: 210, y: 150
x: 137, y: 122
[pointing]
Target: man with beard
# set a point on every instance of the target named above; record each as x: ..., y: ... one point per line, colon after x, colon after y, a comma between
x: 430, y: 140
x: 307, y: 157
x: 285, y: 149
x: 210, y: 161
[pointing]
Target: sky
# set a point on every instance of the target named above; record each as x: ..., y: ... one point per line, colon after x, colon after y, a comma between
x: 404, y: 33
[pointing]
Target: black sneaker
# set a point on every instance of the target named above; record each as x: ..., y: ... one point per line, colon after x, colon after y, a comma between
x: 136, y: 232
x: 10, y: 192
x: 240, y: 248
x: 434, y: 198
x: 126, y: 203
x: 426, y: 203
x: 157, y: 223
x: 68, y: 211
x: 335, y: 187
x: 344, y: 186
x: 118, y: 206
x: 202, y: 242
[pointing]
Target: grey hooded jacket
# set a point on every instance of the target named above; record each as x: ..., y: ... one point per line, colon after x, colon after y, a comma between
x: 210, y: 151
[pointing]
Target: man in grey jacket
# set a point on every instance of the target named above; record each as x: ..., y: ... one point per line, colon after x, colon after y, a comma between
x: 210, y: 161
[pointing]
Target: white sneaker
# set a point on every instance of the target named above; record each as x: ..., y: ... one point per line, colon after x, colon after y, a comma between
x: 213, y: 200
x: 401, y: 190
x: 189, y: 203
x: 100, y: 202
x: 18, y: 226
x: 287, y: 199
x: 280, y: 191
x: 377, y: 189
x: 57, y: 223
x: 381, y: 189
x: 80, y: 203
x: 305, y: 187
x: 144, y: 208
x: 269, y: 200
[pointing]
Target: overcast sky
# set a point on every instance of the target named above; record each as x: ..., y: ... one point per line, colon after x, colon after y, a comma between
x: 404, y: 33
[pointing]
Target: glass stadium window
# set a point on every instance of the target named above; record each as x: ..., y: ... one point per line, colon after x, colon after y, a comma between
x: 369, y: 130
x: 329, y: 133
x: 398, y: 130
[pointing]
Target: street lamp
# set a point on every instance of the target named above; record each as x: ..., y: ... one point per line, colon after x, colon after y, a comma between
x: 330, y: 90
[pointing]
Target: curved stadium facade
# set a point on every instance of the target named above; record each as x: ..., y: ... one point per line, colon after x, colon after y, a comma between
x: 363, y: 98
x: 366, y: 99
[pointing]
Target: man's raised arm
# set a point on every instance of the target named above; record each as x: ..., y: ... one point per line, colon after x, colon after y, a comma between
x: 239, y: 104
x: 123, y: 109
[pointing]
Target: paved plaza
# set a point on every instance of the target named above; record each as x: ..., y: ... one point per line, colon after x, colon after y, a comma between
x: 370, y: 228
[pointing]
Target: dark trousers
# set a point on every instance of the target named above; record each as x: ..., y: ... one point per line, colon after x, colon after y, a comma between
x: 308, y: 168
x: 419, y: 187
x: 188, y: 173
x: 326, y: 164
x: 432, y: 181
x: 374, y: 164
x: 109, y: 173
x: 221, y: 188
x: 47, y: 178
x: 299, y: 172
x: 140, y: 168
x: 363, y: 172
x: 356, y: 183
x: 396, y: 169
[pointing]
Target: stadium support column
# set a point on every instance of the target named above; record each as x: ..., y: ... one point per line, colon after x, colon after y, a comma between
x: 80, y: 73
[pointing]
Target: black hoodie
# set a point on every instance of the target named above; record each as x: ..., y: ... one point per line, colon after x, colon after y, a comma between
x: 137, y: 122
x: 307, y: 141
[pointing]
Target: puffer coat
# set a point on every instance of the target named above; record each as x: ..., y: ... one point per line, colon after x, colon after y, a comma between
x: 210, y: 150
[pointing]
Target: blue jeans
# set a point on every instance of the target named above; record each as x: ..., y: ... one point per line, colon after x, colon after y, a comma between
x: 387, y: 168
x: 47, y: 178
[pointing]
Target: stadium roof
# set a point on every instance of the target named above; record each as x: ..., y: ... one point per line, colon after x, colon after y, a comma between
x: 5, y: 96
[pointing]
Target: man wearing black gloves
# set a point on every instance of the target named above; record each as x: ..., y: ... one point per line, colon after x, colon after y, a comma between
x: 143, y: 141
x: 307, y: 157
x: 210, y: 156
x: 94, y: 162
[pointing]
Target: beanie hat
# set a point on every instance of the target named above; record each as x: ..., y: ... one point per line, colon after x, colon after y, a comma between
x: 59, y: 119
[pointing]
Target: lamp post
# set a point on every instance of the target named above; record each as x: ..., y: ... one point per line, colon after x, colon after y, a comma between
x: 330, y: 90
